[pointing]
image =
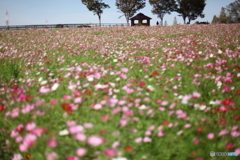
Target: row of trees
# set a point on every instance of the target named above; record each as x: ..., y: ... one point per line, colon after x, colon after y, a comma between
x: 190, y: 9
x: 229, y: 14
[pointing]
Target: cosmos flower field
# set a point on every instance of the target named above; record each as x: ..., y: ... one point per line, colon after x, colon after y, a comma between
x: 120, y: 93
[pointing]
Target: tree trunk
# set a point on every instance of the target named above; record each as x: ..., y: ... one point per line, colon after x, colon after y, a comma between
x: 184, y: 19
x: 99, y: 18
x: 127, y: 20
x: 161, y: 21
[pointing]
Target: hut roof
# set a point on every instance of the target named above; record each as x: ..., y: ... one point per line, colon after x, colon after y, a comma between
x: 140, y: 16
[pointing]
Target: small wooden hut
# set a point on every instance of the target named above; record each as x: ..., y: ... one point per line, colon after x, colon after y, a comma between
x: 140, y: 17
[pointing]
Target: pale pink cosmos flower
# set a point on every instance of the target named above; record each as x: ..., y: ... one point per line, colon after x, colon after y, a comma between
x: 78, y: 100
x: 17, y: 157
x: 18, y: 139
x: 70, y: 123
x: 80, y: 137
x: 147, y: 139
x: 14, y: 133
x: 88, y: 125
x: 234, y: 128
x: 75, y: 129
x: 51, y: 156
x: 235, y: 134
x: 116, y: 144
x: 125, y: 70
x: 196, y: 95
x: 110, y: 152
x: 160, y: 133
x: 44, y: 90
x: 210, y: 135
x: 95, y: 140
x: 123, y: 76
x: 116, y: 110
x: 148, y: 133
x: 151, y: 128
x: 187, y: 125
x: 123, y: 122
x: 138, y: 140
x: 97, y: 106
x: 161, y: 109
x: 30, y: 126
x: 80, y: 152
x: 51, y: 142
x: 223, y: 132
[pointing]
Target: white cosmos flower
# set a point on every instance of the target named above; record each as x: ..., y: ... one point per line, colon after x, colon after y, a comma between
x: 151, y: 88
x: 119, y: 158
x: 44, y: 82
x: 63, y: 132
x: 55, y: 86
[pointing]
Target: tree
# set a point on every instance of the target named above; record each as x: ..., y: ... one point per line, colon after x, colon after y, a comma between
x: 233, y: 12
x: 162, y: 7
x: 175, y: 21
x: 165, y: 24
x: 190, y: 9
x: 215, y: 19
x: 129, y: 7
x: 222, y: 17
x: 96, y: 6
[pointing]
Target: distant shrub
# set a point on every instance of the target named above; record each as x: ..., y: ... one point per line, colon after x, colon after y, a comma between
x: 84, y: 25
x: 59, y: 26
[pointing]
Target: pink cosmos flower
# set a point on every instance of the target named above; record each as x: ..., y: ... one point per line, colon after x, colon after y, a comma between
x: 71, y: 158
x: 105, y: 117
x: 51, y: 142
x: 138, y: 140
x: 95, y: 140
x: 53, y: 102
x: 195, y: 140
x: 80, y: 137
x: 237, y: 151
x: 80, y: 152
x: 75, y: 129
x: 210, y: 135
x: 128, y: 113
x: 66, y: 97
x: 110, y: 152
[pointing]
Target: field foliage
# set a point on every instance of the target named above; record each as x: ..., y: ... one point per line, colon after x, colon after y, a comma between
x: 120, y: 93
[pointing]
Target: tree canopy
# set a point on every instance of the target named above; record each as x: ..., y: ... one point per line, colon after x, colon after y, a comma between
x: 162, y: 7
x: 190, y: 9
x: 233, y: 12
x: 96, y: 6
x: 129, y: 7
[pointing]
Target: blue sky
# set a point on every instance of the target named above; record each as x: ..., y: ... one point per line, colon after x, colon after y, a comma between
x: 26, y: 12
